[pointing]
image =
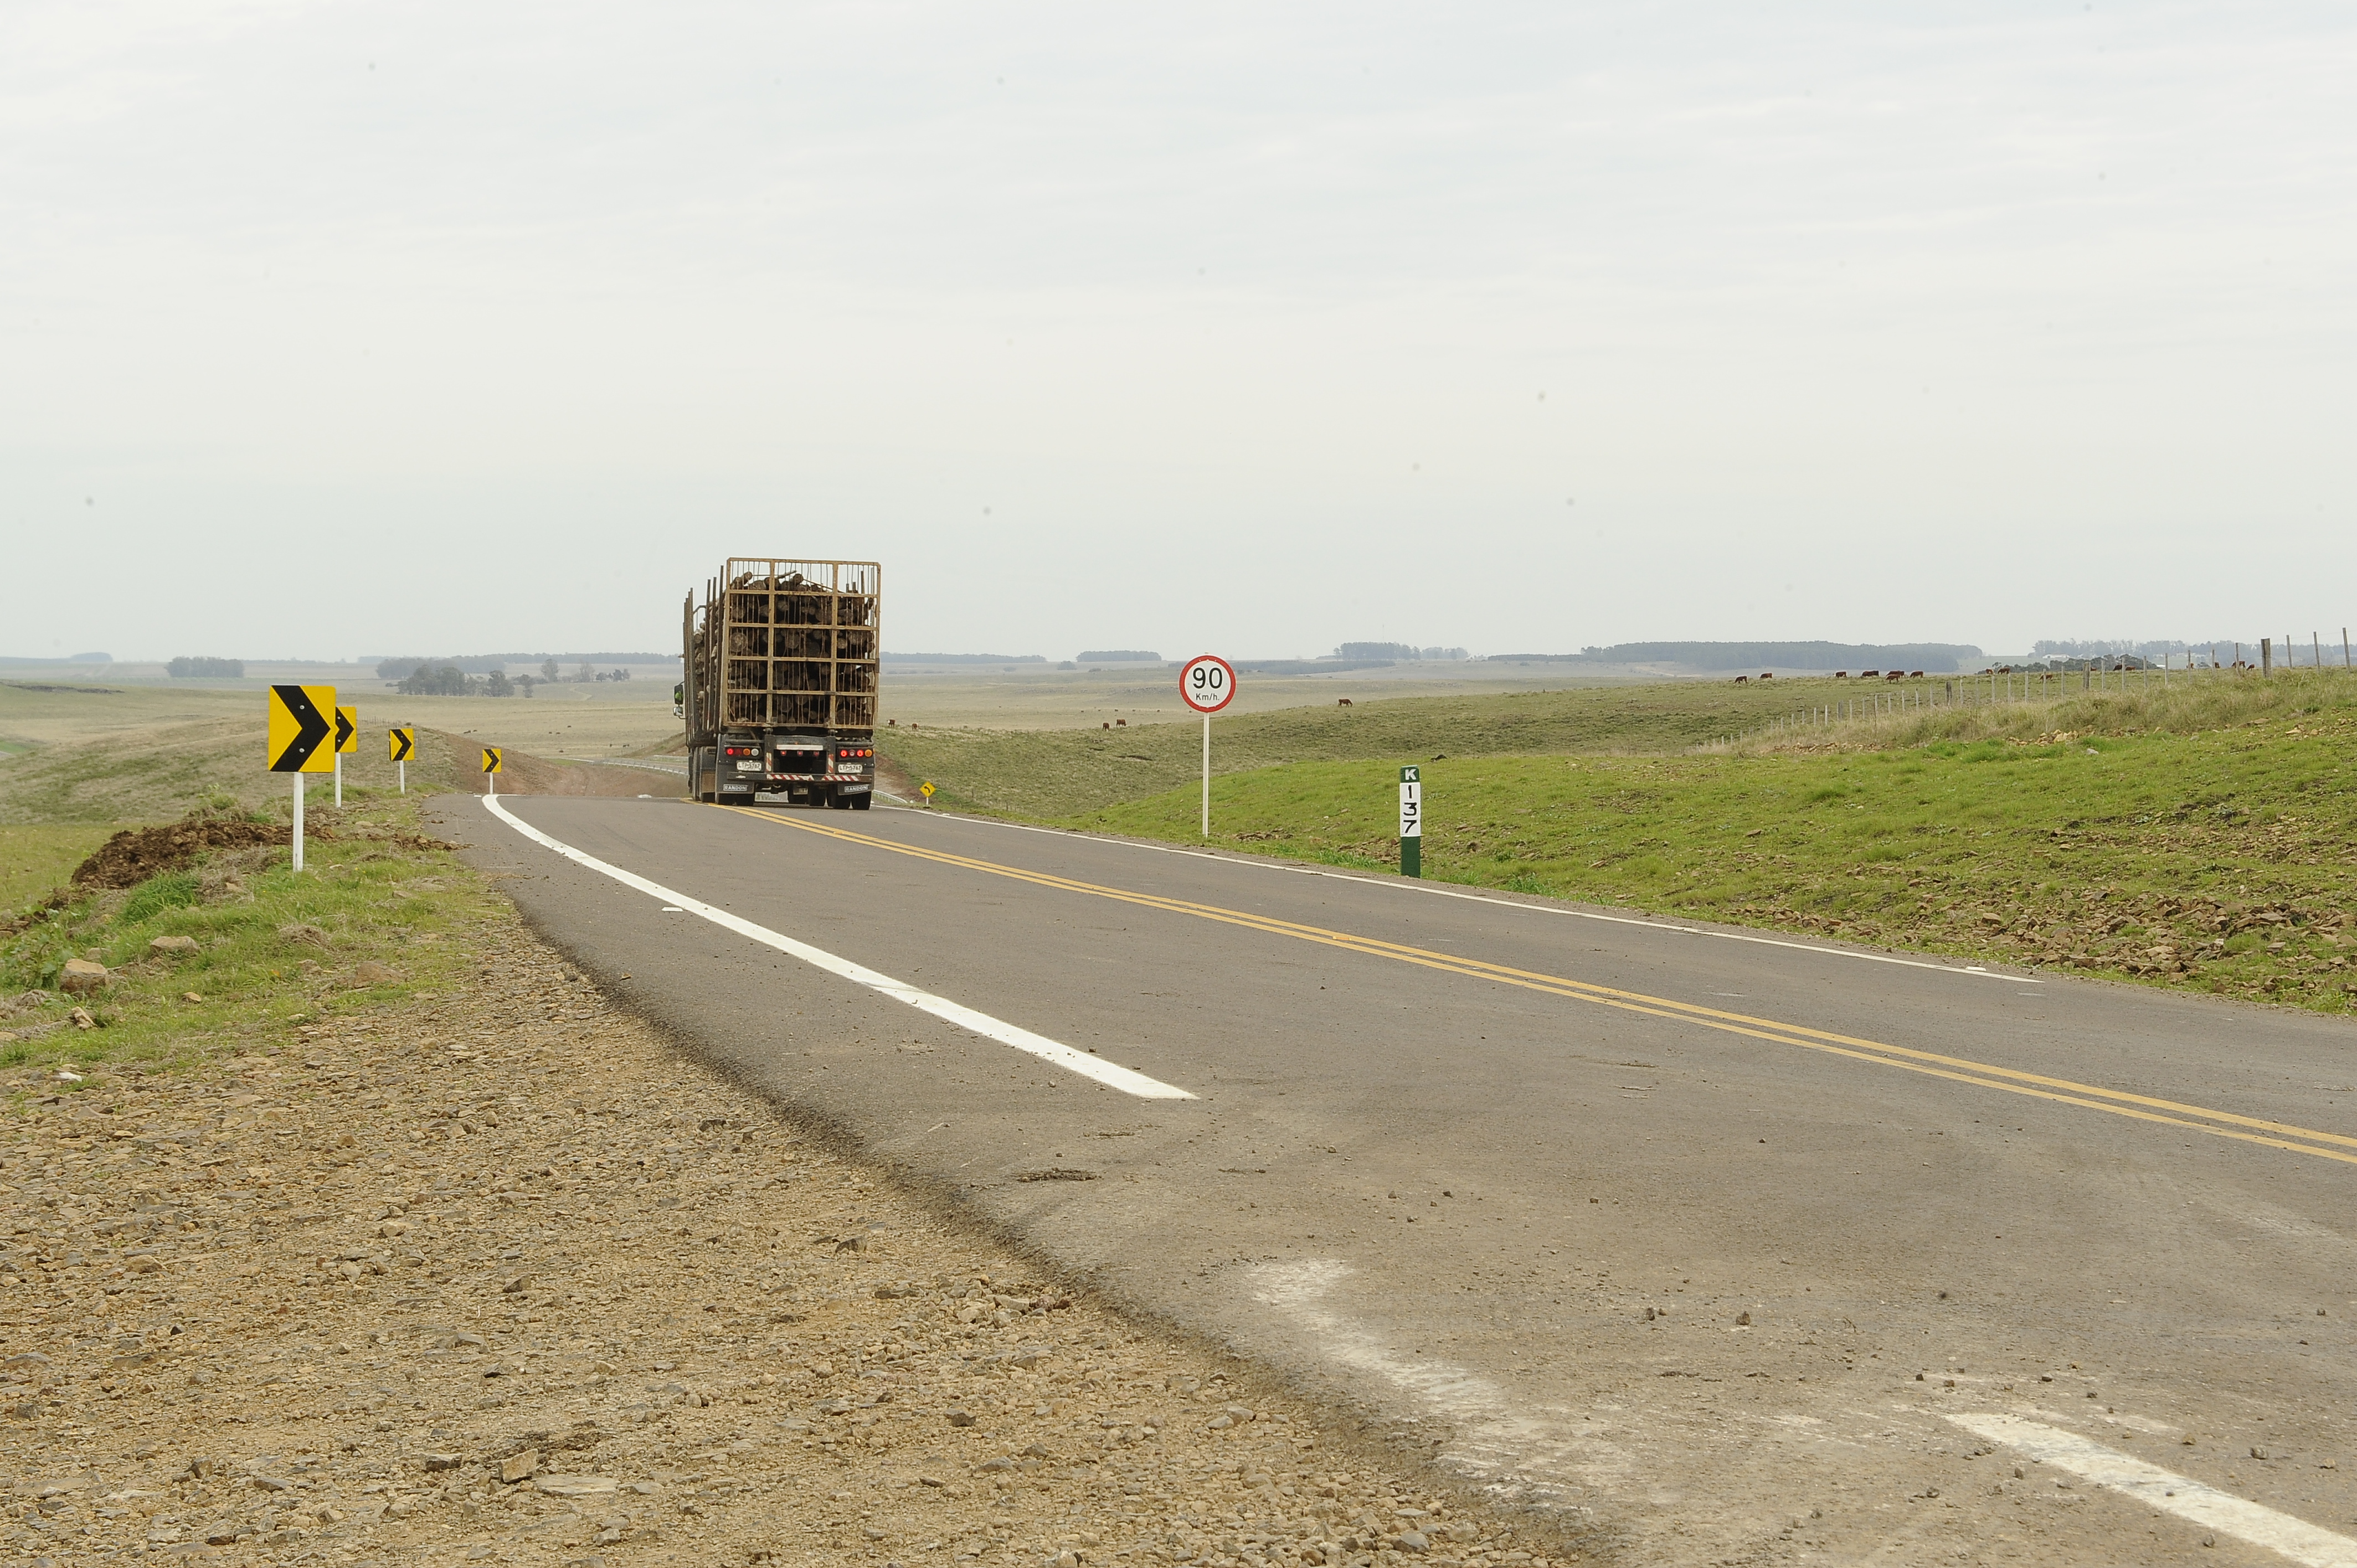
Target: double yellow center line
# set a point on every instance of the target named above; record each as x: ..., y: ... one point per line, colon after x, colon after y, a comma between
x: 1956, y: 1069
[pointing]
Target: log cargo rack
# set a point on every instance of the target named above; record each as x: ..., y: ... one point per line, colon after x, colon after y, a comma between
x: 785, y: 645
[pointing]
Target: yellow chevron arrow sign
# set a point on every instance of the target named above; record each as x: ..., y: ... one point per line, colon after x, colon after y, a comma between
x: 299, y: 721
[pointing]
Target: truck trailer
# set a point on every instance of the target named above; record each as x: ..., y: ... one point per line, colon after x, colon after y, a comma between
x: 783, y: 661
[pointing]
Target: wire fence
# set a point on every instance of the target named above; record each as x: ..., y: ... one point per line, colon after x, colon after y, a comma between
x: 1878, y: 696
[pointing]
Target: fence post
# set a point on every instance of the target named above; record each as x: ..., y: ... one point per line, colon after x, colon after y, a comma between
x: 2266, y: 657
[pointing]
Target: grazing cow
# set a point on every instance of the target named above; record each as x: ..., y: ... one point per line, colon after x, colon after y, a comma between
x: 1894, y: 675
x: 1767, y: 674
x: 1914, y: 674
x: 1123, y: 723
x: 1341, y: 702
x: 1743, y: 680
x: 1108, y: 725
x: 1869, y: 675
x: 1841, y: 674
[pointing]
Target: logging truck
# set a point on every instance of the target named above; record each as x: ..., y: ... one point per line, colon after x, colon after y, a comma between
x: 783, y: 661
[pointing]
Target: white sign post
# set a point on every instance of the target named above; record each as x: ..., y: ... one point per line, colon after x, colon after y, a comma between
x: 1207, y: 684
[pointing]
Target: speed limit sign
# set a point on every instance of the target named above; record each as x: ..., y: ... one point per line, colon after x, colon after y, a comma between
x: 1207, y: 683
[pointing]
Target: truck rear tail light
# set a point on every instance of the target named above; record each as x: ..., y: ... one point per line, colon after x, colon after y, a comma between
x: 740, y: 751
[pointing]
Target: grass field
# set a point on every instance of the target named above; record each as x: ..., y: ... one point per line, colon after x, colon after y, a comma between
x: 365, y: 895
x: 152, y: 753
x: 1039, y: 696
x: 36, y: 857
x: 2198, y: 833
x: 2221, y: 858
x: 1053, y: 774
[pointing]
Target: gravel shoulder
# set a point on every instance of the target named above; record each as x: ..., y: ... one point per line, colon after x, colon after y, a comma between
x: 504, y: 1275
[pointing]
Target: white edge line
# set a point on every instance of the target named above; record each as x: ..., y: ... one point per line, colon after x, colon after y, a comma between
x: 1403, y: 884
x: 1110, y: 1074
x: 2189, y: 1500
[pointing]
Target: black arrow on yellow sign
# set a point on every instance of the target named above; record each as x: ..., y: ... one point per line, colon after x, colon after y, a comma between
x: 296, y: 737
x: 345, y: 730
x: 490, y: 760
x: 404, y: 742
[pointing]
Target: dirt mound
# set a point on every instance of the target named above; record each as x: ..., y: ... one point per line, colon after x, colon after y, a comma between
x: 134, y: 855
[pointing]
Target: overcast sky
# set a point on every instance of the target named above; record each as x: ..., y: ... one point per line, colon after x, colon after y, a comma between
x: 355, y: 328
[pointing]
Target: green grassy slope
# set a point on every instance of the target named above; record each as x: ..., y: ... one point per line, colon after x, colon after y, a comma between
x: 1059, y: 773
x: 371, y: 894
x: 36, y: 858
x: 2136, y: 706
x: 2136, y: 856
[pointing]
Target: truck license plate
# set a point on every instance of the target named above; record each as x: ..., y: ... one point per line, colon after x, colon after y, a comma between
x: 749, y: 768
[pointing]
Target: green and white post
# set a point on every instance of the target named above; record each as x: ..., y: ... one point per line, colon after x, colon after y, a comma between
x: 1411, y: 822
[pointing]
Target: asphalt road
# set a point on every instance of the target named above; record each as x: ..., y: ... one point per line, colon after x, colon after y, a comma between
x: 1734, y: 1248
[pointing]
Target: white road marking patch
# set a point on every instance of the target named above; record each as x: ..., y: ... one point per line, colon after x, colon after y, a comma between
x: 1506, y: 1445
x: 1417, y: 885
x: 2165, y: 1489
x: 1063, y: 1056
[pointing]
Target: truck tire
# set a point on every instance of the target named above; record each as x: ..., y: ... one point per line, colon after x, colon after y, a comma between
x: 861, y: 802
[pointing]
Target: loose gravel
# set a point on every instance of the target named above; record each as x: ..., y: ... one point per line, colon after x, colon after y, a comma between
x: 508, y: 1277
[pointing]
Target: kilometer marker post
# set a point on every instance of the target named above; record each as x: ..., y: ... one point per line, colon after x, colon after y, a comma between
x: 1410, y: 821
x: 1207, y: 683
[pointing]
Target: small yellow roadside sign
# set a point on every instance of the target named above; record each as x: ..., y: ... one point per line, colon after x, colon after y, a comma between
x: 399, y: 743
x: 299, y: 721
x: 926, y: 789
x: 490, y: 760
x: 347, y: 729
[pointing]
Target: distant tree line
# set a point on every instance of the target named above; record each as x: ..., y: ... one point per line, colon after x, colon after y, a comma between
x: 892, y: 657
x: 447, y: 679
x: 186, y: 665
x: 1120, y: 656
x: 586, y: 666
x: 1395, y: 650
x: 2116, y: 647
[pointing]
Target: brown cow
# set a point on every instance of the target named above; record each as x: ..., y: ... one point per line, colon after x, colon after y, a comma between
x: 1767, y: 674
x: 1914, y: 674
x: 1894, y: 675
x: 1341, y: 702
x: 1743, y: 680
x: 1869, y: 675
x: 1841, y: 674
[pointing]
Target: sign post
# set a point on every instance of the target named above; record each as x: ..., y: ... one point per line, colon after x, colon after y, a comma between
x: 490, y: 770
x: 299, y: 724
x: 348, y: 738
x: 401, y: 741
x: 1411, y: 822
x: 1207, y: 684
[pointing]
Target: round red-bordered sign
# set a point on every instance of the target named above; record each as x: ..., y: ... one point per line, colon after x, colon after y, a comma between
x: 1207, y: 684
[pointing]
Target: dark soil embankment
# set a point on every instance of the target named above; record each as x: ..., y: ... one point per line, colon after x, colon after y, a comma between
x: 134, y: 855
